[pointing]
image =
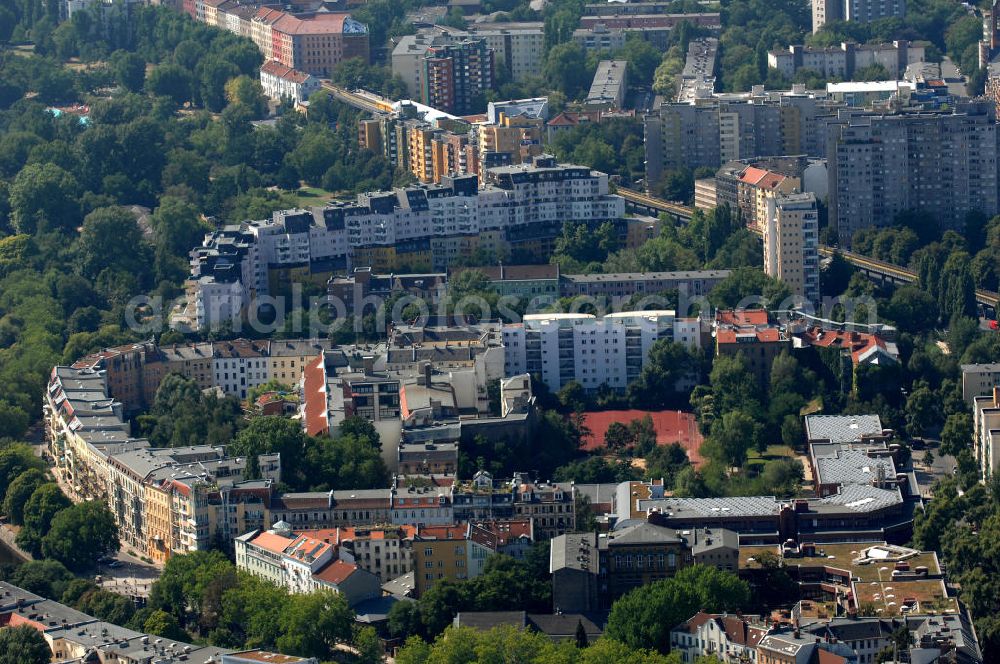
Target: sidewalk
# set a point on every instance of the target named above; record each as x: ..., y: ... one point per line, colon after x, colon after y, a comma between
x: 7, y: 535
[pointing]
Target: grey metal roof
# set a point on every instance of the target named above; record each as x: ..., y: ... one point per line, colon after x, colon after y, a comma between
x: 981, y: 368
x: 644, y: 533
x: 842, y: 428
x: 852, y: 467
x: 714, y: 507
x: 579, y: 551
x: 598, y: 493
x: 704, y: 540
x: 861, y: 498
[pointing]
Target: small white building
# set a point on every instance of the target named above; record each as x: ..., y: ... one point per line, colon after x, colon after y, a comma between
x: 283, y: 82
x: 730, y: 638
x: 303, y: 564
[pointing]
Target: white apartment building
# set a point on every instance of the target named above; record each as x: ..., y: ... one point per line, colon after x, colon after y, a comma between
x: 986, y: 432
x: 791, y: 237
x: 592, y: 351
x: 979, y: 380
x: 730, y: 638
x: 516, y: 206
x: 520, y: 47
x: 302, y: 564
x: 303, y: 557
x: 239, y: 365
x: 282, y: 82
x: 844, y: 60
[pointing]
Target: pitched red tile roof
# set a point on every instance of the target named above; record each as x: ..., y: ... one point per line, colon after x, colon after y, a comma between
x: 275, y: 68
x: 336, y: 572
x: 319, y: 24
x: 741, y: 317
x: 271, y: 542
x: 752, y: 175
x: 771, y: 180
x: 314, y: 393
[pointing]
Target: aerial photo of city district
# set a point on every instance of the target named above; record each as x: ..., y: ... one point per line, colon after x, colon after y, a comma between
x: 499, y: 331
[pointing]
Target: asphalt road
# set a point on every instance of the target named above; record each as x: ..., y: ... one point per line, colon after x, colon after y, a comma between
x: 955, y: 80
x: 927, y: 475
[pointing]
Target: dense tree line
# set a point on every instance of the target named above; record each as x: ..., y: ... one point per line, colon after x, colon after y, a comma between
x: 508, y: 644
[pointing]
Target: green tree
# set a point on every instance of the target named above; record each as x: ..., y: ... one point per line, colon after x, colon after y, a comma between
x: 572, y: 396
x: 213, y: 74
x: 43, y: 505
x: 913, y: 308
x: 311, y: 625
x: 15, y: 460
x: 129, y: 69
x: 248, y: 93
x: 345, y: 462
x: 191, y: 588
x: 660, y: 384
x: 618, y: 437
x: 749, y: 285
x: 922, y: 410
x: 404, y: 619
x: 564, y: 69
x: 956, y: 434
x: 19, y: 491
x: 106, y: 605
x: 48, y: 578
x: 248, y: 611
x: 23, y: 645
x: 644, y: 617
x: 44, y: 197
x: 733, y: 435
x: 111, y: 239
x: 643, y: 58
x: 162, y: 624
x: 369, y: 647
x: 80, y: 534
x: 171, y: 81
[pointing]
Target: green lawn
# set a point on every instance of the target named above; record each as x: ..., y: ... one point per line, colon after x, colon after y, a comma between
x: 309, y: 196
x: 772, y: 452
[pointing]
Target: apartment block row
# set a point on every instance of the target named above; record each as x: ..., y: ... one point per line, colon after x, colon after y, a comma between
x: 73, y: 636
x: 879, y: 164
x: 518, y: 210
x: 591, y: 570
x: 715, y: 129
x: 438, y: 63
x: 179, y: 500
x: 451, y: 73
x: 857, y: 11
x: 811, y: 639
x: 844, y: 60
x: 308, y: 41
x: 844, y: 347
x: 358, y: 561
x: 607, y: 28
